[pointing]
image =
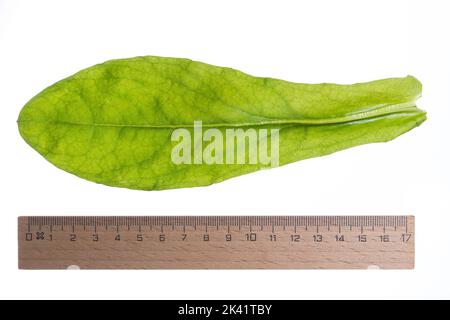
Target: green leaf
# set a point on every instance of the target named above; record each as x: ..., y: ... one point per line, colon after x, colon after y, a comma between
x: 113, y: 123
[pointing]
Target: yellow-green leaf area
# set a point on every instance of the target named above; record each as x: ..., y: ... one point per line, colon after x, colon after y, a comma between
x: 113, y: 123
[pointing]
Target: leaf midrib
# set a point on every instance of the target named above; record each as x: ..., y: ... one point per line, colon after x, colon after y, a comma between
x: 406, y: 107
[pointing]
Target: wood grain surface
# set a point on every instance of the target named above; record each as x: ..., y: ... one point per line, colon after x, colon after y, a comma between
x: 217, y: 242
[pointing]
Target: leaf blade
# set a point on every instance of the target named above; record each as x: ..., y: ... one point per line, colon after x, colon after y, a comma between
x: 112, y: 123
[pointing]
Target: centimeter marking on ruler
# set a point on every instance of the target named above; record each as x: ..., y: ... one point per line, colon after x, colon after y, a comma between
x: 343, y: 221
x: 203, y: 242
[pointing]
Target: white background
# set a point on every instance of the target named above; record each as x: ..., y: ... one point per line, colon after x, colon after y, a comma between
x: 303, y: 41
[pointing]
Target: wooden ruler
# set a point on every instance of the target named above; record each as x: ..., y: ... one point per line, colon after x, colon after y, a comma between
x: 217, y: 242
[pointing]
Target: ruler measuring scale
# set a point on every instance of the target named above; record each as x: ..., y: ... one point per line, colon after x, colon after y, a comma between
x: 217, y: 242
